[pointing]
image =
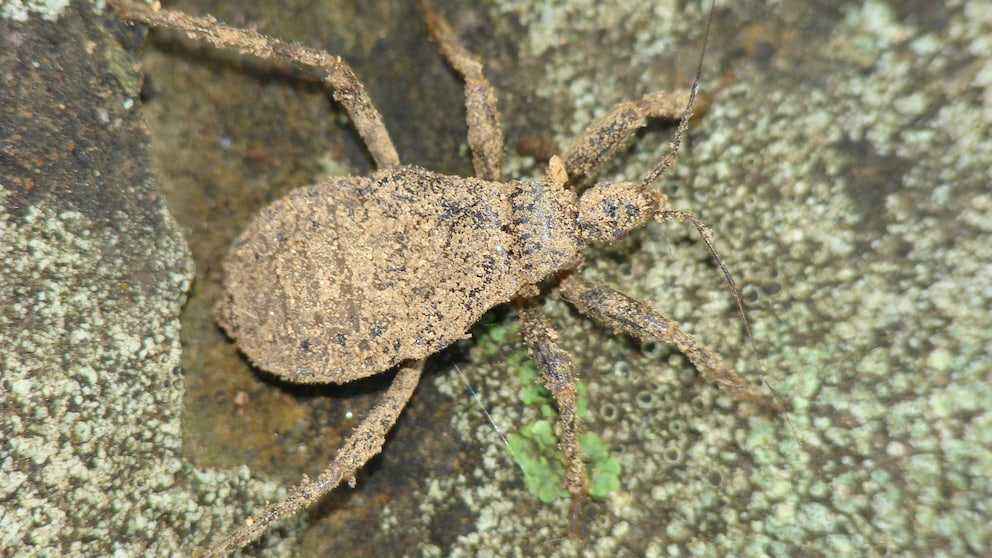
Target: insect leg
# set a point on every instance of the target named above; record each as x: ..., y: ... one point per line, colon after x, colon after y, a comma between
x: 485, y: 137
x: 556, y: 371
x: 624, y: 314
x: 365, y: 442
x: 331, y: 70
x: 613, y: 131
x: 609, y: 133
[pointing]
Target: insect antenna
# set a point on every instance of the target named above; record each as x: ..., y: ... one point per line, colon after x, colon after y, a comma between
x: 673, y: 146
x: 683, y: 216
x: 669, y: 160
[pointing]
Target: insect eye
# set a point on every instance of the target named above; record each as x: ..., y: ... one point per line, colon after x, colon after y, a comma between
x: 610, y: 208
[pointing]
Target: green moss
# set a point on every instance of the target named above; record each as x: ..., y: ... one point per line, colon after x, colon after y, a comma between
x: 490, y: 335
x: 535, y: 448
x: 604, y: 471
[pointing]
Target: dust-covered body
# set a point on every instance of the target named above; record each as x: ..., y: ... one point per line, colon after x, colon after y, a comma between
x: 359, y: 275
x: 346, y: 278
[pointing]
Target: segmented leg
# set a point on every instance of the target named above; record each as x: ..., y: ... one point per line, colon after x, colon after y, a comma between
x: 363, y: 444
x: 624, y: 314
x: 556, y: 372
x: 485, y: 137
x: 609, y: 133
x: 331, y: 70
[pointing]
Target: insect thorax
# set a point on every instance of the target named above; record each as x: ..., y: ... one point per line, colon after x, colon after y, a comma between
x: 545, y: 227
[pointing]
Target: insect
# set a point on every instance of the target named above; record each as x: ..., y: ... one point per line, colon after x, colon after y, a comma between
x: 355, y: 276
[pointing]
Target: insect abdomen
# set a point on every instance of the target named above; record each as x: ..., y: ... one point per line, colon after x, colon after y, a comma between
x: 346, y: 278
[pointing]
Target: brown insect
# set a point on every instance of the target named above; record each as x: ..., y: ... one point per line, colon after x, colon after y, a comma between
x: 355, y: 276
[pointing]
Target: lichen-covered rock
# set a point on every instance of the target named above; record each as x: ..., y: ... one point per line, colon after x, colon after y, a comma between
x: 843, y: 167
x: 93, y: 271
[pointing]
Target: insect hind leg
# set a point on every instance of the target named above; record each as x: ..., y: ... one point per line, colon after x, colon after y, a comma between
x: 364, y: 443
x: 331, y: 70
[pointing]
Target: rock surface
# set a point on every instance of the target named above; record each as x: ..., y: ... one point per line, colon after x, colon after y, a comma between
x: 842, y: 162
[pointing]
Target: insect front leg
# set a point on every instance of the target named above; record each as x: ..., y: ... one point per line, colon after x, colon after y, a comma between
x: 609, y: 133
x: 622, y: 313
